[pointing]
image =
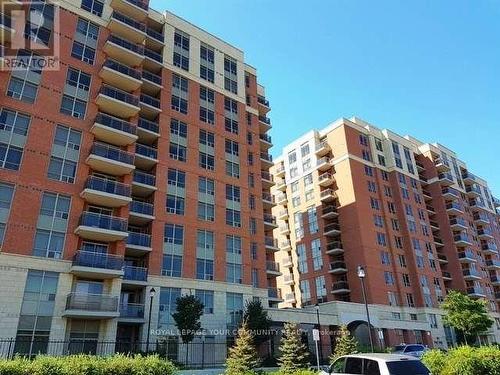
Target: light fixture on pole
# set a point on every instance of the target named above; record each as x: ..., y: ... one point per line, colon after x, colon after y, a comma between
x: 319, y: 329
x: 362, y: 275
x: 152, y: 293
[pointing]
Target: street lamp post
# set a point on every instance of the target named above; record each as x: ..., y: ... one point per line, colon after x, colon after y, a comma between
x: 362, y: 275
x: 152, y: 293
x: 319, y: 329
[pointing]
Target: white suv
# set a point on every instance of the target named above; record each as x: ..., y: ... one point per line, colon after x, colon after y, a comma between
x: 377, y: 364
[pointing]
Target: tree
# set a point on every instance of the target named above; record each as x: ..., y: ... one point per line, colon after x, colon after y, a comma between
x: 294, y: 354
x: 242, y: 357
x: 187, y: 318
x: 465, y: 314
x: 345, y: 344
x: 258, y: 321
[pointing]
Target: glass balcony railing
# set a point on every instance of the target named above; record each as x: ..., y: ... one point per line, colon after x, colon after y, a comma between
x: 272, y: 242
x: 139, y: 239
x: 98, y: 260
x: 332, y: 227
x: 266, y: 156
x: 454, y: 206
x: 121, y: 68
x: 132, y: 310
x: 112, y: 153
x: 459, y: 221
x: 471, y: 272
x: 337, y: 266
x: 148, y: 125
x: 155, y: 34
x: 269, y: 219
x: 136, y: 48
x: 107, y: 186
x: 143, y: 208
x: 120, y: 95
x: 128, y: 21
x: 95, y: 220
x: 149, y: 100
x: 92, y: 302
x: 266, y: 176
x: 115, y: 123
x: 139, y: 3
x: 144, y: 178
x: 266, y: 138
x: 153, y: 55
x: 262, y: 100
x: 273, y: 293
x: 135, y: 273
x: 265, y: 120
x: 151, y: 77
x: 340, y: 285
x: 451, y: 191
x: 272, y: 266
x: 146, y: 151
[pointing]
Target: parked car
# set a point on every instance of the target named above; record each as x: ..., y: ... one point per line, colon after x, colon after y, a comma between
x: 377, y: 364
x: 415, y: 350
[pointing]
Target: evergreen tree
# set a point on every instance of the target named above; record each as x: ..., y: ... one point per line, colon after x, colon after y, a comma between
x: 258, y: 321
x: 294, y: 354
x: 187, y: 318
x: 242, y: 357
x: 345, y: 344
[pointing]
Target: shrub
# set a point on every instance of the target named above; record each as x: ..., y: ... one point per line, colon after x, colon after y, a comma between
x: 434, y: 360
x: 87, y: 365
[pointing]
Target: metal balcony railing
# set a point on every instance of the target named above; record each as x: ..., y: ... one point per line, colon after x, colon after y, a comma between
x: 144, y: 178
x: 265, y: 120
x: 115, y: 123
x: 273, y: 292
x: 332, y: 226
x: 266, y: 176
x: 139, y: 239
x: 97, y: 260
x: 266, y: 156
x: 272, y: 266
x: 139, y: 3
x: 91, y: 219
x: 337, y: 265
x: 339, y: 285
x: 153, y: 55
x: 107, y: 186
x: 92, y: 302
x: 120, y: 95
x: 136, y: 48
x: 155, y: 34
x: 112, y: 153
x: 135, y: 273
x: 459, y: 221
x: 269, y: 219
x: 471, y: 272
x: 132, y: 310
x: 149, y: 100
x: 262, y: 100
x: 143, y: 208
x: 121, y: 68
x: 151, y: 77
x: 270, y: 241
x: 146, y: 151
x: 148, y: 125
x: 140, y: 26
x: 266, y: 138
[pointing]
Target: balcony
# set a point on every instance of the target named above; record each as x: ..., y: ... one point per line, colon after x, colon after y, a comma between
x: 281, y: 185
x: 446, y: 276
x: 267, y: 199
x: 127, y: 27
x: 280, y: 171
x: 471, y: 274
x: 117, y: 102
x: 334, y: 248
x: 150, y: 106
x: 104, y: 192
x: 153, y: 60
x: 281, y: 199
x: 485, y: 234
x: 113, y: 130
x: 328, y: 195
x: 497, y: 296
x: 493, y: 264
x: 270, y: 221
x: 462, y: 239
x: 143, y: 184
x: 138, y: 243
x: 283, y: 214
x: 326, y: 179
x: 476, y: 204
x: 329, y: 212
x: 265, y: 141
x: 284, y: 229
x: 274, y: 294
x: 146, y: 157
x: 466, y: 256
x: 495, y: 280
x: 140, y: 213
x: 288, y: 280
x: 135, y: 275
x: 91, y: 306
x: 434, y: 226
x: 443, y: 259
x: 124, y: 51
x: 267, y: 179
x: 271, y: 244
x: 475, y: 291
x: 137, y: 9
x: 264, y: 124
x: 489, y: 248
x: 131, y: 313
x: 322, y: 148
x: 152, y: 83
x: 290, y: 298
x: 6, y: 29
x: 287, y: 262
x: 473, y: 191
x: 324, y: 163
x: 261, y: 100
x: 454, y: 208
x: 340, y: 287
x: 285, y: 245
x: 441, y: 165
x: 266, y: 159
x: 438, y: 241
x: 337, y: 268
x: 481, y: 218
x: 155, y: 38
x: 468, y: 178
x: 496, y: 201
x: 430, y: 209
x: 273, y: 268
x: 450, y: 193
x: 458, y: 223
x: 110, y: 160
x: 446, y: 179
x: 121, y: 76
x: 93, y: 265
x: 99, y: 227
x: 331, y: 229
x: 148, y: 131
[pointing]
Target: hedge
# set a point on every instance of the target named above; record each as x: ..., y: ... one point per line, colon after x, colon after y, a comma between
x: 87, y: 365
x: 464, y: 360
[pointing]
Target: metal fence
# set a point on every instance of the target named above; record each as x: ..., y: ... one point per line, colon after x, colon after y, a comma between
x: 192, y: 355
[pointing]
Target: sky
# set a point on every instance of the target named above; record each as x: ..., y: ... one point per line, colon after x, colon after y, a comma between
x: 430, y: 69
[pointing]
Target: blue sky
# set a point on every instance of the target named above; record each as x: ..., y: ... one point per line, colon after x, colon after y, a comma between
x: 426, y: 68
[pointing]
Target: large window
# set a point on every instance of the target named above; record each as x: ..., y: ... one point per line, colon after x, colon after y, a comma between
x: 14, y: 128
x: 181, y: 50
x: 23, y: 84
x: 64, y: 155
x: 168, y: 305
x: 85, y: 42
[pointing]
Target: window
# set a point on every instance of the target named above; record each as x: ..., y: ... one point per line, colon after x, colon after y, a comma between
x: 207, y: 105
x: 308, y: 179
x: 381, y: 240
x: 316, y: 254
x: 168, y: 305
x: 85, y: 42
x: 378, y: 221
x: 174, y: 234
x: 175, y: 204
x: 368, y: 171
x: 206, y: 211
x: 204, y: 269
x: 233, y: 218
x: 23, y: 84
x: 6, y: 193
x: 402, y: 261
x: 313, y: 219
x: 231, y: 115
x: 234, y: 309
x: 232, y: 148
x: 292, y: 157
x: 233, y: 273
x: 14, y: 126
x: 363, y: 140
x: 233, y: 193
x: 40, y: 33
x: 207, y: 62
x: 230, y: 75
x: 385, y: 258
x: 232, y: 169
x: 172, y: 265
x: 77, y: 87
x: 381, y: 160
x: 181, y: 50
x: 93, y: 6
x: 305, y: 290
x: 302, y: 258
x: 206, y: 297
x: 406, y: 280
x: 389, y: 278
x: 179, y: 100
x: 372, y: 187
x: 320, y: 288
x: 374, y: 203
x: 304, y: 149
x: 233, y: 244
x: 393, y: 299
